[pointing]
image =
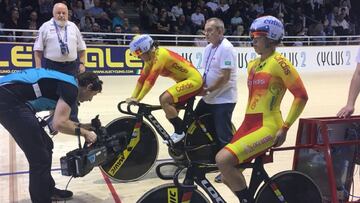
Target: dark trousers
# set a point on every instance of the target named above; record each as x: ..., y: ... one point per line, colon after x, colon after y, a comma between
x: 20, y: 121
x: 70, y: 68
x: 222, y: 114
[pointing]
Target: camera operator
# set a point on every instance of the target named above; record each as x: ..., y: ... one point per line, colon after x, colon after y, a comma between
x: 24, y: 93
x: 60, y: 42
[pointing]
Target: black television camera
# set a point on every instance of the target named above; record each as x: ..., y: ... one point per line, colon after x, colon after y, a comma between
x: 81, y: 161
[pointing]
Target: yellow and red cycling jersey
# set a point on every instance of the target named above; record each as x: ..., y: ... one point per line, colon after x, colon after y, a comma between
x: 169, y: 64
x: 268, y: 81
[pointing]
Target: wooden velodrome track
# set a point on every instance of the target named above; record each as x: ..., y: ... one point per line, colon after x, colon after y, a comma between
x: 327, y: 94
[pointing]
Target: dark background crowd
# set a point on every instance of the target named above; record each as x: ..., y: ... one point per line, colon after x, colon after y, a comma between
x: 183, y: 17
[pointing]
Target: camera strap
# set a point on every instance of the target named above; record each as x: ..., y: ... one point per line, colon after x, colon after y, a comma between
x: 78, y: 133
x: 59, y: 34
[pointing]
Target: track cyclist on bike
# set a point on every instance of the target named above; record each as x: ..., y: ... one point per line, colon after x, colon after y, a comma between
x: 269, y: 76
x: 161, y: 61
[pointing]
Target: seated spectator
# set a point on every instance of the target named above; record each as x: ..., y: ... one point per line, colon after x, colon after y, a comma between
x: 245, y: 40
x: 163, y: 25
x: 13, y: 23
x: 251, y: 13
x: 96, y: 38
x: 30, y: 36
x: 188, y: 10
x: 135, y: 30
x: 117, y: 39
x: 126, y: 26
x: 197, y: 19
x: 145, y: 14
x: 340, y: 25
x: 88, y: 4
x: 86, y: 23
x: 213, y: 5
x: 104, y: 22
x: 33, y: 20
x: 259, y: 7
x: 70, y: 15
x: 78, y: 9
x: 236, y: 19
x: 153, y: 20
x: 177, y: 9
x: 332, y: 15
x: 112, y: 9
x: 26, y: 7
x: 301, y: 41
x: 223, y: 11
x: 170, y: 16
x: 344, y: 13
x: 118, y: 19
x: 200, y: 40
x: 317, y: 29
x: 181, y: 27
x: 96, y: 10
x: 328, y: 29
x: 45, y: 10
x: 345, y: 5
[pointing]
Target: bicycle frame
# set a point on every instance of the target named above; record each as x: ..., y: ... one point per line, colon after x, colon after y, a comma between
x: 196, y: 173
x: 144, y: 110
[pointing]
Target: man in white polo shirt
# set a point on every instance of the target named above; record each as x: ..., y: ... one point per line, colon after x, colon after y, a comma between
x: 60, y: 42
x: 220, y: 79
x: 197, y: 19
x: 354, y: 90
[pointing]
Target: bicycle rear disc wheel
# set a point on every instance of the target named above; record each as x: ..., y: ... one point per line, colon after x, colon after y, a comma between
x: 170, y: 193
x: 141, y: 157
x: 295, y: 187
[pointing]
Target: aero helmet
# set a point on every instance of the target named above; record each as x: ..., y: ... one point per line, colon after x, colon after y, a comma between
x: 269, y: 26
x: 141, y: 44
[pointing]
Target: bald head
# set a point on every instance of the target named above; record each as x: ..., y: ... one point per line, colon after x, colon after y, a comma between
x: 60, y: 13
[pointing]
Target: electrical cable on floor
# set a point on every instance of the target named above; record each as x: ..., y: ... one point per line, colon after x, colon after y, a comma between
x: 68, y: 185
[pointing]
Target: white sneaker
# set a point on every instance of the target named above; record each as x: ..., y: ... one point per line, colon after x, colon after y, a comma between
x: 176, y: 137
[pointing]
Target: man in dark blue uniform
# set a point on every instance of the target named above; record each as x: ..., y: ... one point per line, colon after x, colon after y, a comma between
x: 24, y: 93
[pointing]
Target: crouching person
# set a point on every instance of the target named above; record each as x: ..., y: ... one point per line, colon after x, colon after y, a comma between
x: 24, y: 93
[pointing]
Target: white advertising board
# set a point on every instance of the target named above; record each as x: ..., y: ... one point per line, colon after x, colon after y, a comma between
x: 305, y: 58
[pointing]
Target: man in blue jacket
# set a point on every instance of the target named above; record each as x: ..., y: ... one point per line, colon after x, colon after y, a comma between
x: 24, y: 93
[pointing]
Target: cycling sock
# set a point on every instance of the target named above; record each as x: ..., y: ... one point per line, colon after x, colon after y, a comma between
x: 244, y: 196
x: 177, y: 123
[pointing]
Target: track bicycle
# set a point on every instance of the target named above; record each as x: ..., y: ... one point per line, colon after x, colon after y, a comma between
x: 142, y: 147
x: 286, y: 186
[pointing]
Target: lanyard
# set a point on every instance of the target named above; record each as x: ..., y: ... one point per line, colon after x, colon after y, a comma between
x: 58, y: 33
x: 209, y: 60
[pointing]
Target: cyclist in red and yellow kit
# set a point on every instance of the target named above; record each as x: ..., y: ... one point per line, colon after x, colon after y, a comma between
x: 269, y: 76
x: 161, y: 61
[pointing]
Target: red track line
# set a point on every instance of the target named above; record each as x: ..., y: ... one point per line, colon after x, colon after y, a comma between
x: 111, y: 188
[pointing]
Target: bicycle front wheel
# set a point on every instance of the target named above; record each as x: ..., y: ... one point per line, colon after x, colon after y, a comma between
x: 139, y: 156
x: 170, y: 193
x: 294, y: 186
